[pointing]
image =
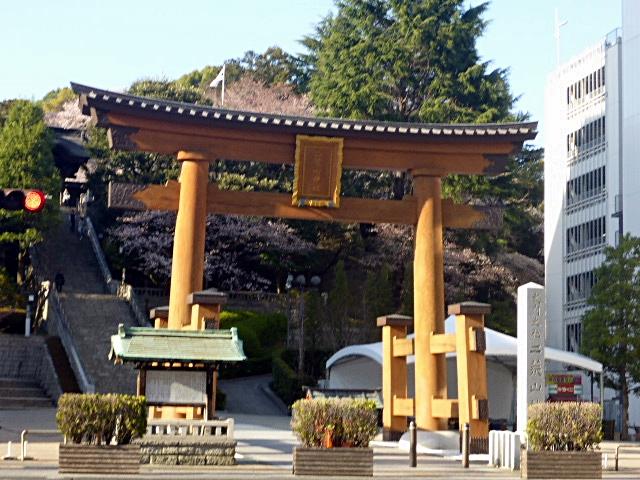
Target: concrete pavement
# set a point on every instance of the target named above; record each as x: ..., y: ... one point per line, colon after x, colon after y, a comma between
x: 265, y: 443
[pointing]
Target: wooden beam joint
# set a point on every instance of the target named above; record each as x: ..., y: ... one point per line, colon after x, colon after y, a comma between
x: 402, y: 347
x: 403, y: 407
x: 444, y: 407
x: 442, y: 343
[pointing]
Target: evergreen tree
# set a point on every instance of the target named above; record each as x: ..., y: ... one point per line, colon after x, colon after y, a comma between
x: 338, y: 303
x: 405, y: 60
x: 611, y: 329
x: 26, y: 161
x: 378, y: 300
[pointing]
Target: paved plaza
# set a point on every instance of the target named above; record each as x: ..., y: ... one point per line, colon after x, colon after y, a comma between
x: 264, y: 450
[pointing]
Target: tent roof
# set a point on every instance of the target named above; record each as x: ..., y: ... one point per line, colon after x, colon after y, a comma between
x: 498, y: 345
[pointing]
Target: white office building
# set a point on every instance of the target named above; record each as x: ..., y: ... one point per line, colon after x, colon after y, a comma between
x: 583, y: 165
x: 592, y: 171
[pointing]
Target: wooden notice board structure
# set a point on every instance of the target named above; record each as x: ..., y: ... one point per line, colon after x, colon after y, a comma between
x: 177, y: 368
x: 320, y: 149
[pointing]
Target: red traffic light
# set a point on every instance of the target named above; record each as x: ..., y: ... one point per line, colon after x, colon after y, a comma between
x: 34, y: 201
x: 28, y: 200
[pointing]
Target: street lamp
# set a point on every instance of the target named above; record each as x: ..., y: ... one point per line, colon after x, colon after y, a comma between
x: 300, y: 283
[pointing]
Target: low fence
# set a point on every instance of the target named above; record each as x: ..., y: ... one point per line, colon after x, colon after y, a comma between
x: 504, y: 449
x: 202, y: 428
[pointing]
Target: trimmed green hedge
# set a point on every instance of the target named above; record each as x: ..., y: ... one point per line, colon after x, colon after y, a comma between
x: 286, y: 383
x: 352, y: 423
x: 98, y: 419
x: 262, y: 336
x: 564, y: 426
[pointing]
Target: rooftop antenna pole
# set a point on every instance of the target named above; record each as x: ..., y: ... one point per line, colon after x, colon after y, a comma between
x: 558, y: 25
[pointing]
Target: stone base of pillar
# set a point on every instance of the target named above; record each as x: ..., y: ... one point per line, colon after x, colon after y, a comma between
x: 391, y: 435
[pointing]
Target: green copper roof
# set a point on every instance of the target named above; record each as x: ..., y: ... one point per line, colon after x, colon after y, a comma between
x: 159, y: 344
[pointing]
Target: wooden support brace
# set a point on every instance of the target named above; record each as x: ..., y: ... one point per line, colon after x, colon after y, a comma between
x: 479, y: 408
x: 352, y: 210
x: 402, y: 347
x: 403, y: 407
x: 443, y: 343
x: 477, y: 340
x: 444, y: 407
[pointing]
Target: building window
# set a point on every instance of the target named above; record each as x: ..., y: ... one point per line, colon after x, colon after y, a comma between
x: 586, y: 235
x: 579, y: 286
x: 586, y: 186
x: 584, y: 140
x: 585, y: 88
x: 574, y: 337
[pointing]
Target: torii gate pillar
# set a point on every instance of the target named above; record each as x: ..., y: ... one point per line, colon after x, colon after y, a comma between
x: 428, y: 299
x: 187, y: 267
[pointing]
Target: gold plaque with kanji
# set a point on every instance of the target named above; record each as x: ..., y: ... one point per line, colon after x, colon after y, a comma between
x: 317, y: 171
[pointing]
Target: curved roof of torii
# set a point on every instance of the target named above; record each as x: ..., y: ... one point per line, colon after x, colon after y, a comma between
x: 498, y: 345
x: 163, y: 126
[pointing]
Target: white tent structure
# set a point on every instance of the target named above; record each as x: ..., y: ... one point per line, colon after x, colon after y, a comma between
x: 360, y: 367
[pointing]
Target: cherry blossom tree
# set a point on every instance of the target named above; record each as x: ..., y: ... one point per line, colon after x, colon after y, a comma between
x: 241, y: 253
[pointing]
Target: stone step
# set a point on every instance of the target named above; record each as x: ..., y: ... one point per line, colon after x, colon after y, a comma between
x: 24, y: 403
x: 92, y: 314
x: 21, y: 392
x: 14, y: 382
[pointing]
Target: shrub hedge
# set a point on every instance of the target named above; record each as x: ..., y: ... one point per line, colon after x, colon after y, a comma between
x: 564, y: 426
x: 286, y: 383
x: 262, y: 335
x: 353, y: 422
x: 98, y: 419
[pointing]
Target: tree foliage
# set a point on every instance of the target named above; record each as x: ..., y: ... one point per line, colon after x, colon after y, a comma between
x: 611, y: 328
x: 241, y: 253
x: 405, y: 60
x: 26, y: 161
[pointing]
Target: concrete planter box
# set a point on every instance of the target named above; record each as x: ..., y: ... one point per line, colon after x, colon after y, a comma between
x: 75, y: 458
x: 187, y: 450
x: 333, y: 461
x: 560, y: 465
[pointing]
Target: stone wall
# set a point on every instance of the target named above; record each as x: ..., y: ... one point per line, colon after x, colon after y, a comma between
x: 158, y: 450
x: 28, y: 358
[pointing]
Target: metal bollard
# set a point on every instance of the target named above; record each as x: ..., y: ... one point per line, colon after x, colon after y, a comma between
x: 465, y: 446
x: 413, y: 440
x: 23, y: 445
x: 9, y: 455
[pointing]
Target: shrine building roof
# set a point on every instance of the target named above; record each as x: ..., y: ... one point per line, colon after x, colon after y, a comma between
x: 144, y: 344
x: 162, y: 126
x: 96, y: 98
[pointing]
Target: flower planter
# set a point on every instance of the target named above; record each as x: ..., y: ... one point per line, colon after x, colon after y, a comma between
x: 560, y: 465
x: 74, y: 458
x: 333, y: 461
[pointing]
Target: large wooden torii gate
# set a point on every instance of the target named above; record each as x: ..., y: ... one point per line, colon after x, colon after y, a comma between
x: 320, y: 149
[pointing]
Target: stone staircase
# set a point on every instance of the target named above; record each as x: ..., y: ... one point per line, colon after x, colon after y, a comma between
x: 92, y: 315
x: 22, y: 393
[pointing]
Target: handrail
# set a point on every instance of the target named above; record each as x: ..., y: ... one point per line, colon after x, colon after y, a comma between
x: 127, y: 292
x: 618, y: 448
x: 120, y: 289
x: 23, y: 441
x: 63, y: 330
x: 97, y: 250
